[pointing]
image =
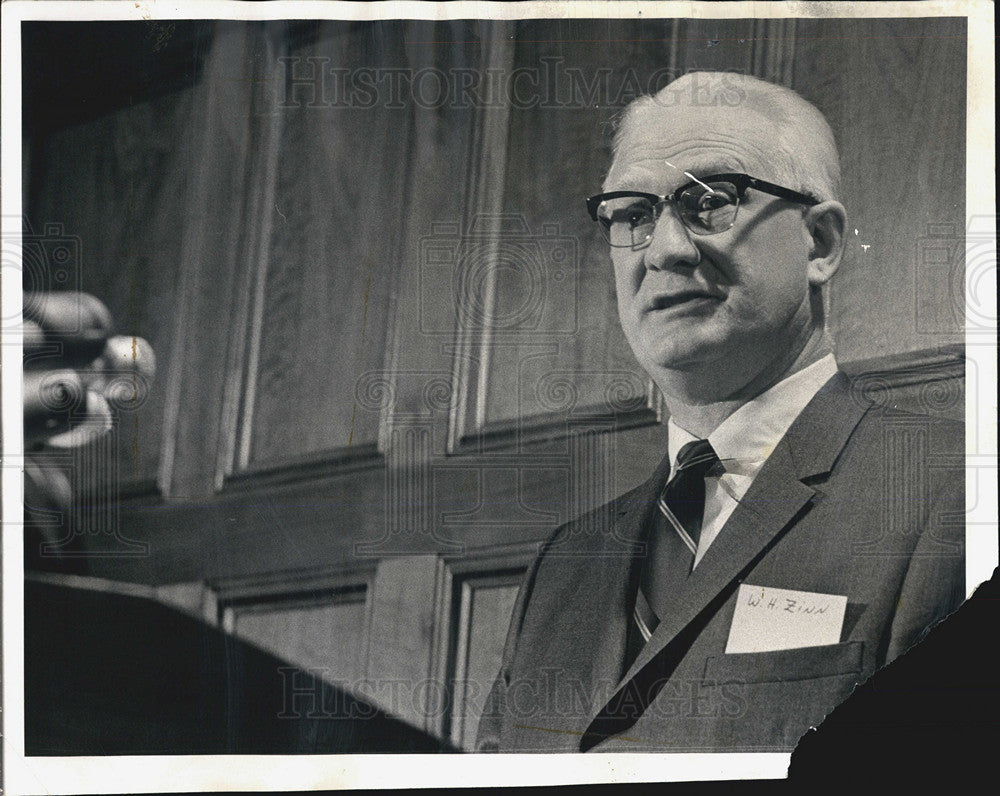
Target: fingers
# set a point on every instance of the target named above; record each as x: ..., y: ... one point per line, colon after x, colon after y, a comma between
x: 123, y: 373
x: 33, y: 337
x: 74, y: 326
x: 76, y: 373
x: 129, y: 355
x: 65, y: 408
x: 60, y: 411
x: 67, y: 312
x: 45, y: 487
x: 49, y: 400
x: 95, y: 422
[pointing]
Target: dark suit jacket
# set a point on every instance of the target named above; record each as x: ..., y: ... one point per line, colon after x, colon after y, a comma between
x: 855, y: 500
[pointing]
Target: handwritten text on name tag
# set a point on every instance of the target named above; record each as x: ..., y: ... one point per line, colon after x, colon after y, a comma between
x: 768, y: 619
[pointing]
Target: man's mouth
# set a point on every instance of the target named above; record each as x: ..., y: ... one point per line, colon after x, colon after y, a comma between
x: 672, y: 300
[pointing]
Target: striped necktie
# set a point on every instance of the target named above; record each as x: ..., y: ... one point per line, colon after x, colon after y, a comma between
x: 674, y: 539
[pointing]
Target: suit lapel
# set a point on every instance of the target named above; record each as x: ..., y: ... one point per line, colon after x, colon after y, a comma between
x: 773, y: 502
x: 753, y: 524
x: 590, y: 623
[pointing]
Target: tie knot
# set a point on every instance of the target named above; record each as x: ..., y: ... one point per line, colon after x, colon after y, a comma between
x: 697, y: 456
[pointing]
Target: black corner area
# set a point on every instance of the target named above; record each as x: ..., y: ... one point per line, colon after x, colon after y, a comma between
x: 933, y: 714
x: 107, y: 674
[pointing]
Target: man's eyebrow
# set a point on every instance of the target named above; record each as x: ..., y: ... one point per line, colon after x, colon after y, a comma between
x: 694, y: 175
x: 628, y: 185
x: 711, y: 170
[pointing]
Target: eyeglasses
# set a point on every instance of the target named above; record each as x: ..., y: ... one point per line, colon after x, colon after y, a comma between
x: 705, y: 207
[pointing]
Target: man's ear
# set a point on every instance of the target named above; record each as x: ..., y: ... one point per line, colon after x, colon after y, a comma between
x: 826, y: 223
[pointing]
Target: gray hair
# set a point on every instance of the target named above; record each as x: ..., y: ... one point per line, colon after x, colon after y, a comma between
x: 807, y: 152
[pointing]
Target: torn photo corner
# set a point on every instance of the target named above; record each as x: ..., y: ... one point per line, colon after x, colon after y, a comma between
x: 477, y: 394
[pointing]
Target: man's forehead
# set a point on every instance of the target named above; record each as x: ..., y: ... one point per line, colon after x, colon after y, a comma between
x: 660, y: 144
x: 662, y: 175
x: 749, y: 118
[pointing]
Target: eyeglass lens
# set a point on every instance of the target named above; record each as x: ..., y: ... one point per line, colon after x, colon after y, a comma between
x: 704, y: 209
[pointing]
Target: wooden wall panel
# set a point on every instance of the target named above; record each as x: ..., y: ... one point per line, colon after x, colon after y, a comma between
x: 215, y: 274
x: 399, y: 666
x: 325, y: 639
x: 486, y: 607
x: 427, y: 352
x: 114, y: 187
x: 332, y: 258
x: 902, y: 144
x: 555, y: 310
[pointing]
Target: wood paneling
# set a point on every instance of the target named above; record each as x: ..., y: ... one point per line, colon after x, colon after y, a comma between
x: 486, y: 606
x: 112, y: 190
x: 324, y: 638
x: 426, y: 349
x: 399, y: 664
x: 333, y: 253
x: 556, y: 344
x: 215, y: 278
x: 902, y: 144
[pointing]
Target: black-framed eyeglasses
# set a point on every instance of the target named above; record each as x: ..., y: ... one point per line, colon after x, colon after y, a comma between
x: 705, y: 207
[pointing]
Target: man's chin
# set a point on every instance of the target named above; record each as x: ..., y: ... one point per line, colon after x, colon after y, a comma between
x: 687, y: 358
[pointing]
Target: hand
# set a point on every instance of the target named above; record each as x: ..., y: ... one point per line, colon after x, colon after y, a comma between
x: 77, y: 375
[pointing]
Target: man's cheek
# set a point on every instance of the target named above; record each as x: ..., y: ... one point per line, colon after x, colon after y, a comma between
x: 741, y: 310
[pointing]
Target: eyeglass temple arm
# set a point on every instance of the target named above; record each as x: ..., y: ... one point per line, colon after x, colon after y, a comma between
x: 594, y: 202
x: 781, y: 193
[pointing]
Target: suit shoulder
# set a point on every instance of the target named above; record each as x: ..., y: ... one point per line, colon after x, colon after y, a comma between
x: 585, y: 531
x: 893, y: 453
x: 946, y: 434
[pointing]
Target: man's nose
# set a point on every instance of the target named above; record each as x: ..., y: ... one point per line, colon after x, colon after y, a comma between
x: 671, y: 245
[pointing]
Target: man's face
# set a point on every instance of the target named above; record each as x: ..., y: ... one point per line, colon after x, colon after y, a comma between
x: 737, y: 300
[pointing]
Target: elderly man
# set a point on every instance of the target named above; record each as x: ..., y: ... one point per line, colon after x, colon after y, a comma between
x: 755, y: 578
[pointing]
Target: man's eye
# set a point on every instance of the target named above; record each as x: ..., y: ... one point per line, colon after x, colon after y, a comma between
x: 713, y: 201
x: 703, y: 200
x: 637, y: 215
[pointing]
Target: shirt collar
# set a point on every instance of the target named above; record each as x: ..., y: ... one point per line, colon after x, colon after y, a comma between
x: 745, y: 439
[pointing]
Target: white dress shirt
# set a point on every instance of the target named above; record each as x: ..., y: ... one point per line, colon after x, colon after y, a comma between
x: 745, y: 439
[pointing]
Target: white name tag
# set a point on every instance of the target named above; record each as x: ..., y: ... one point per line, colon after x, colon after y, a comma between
x: 769, y: 619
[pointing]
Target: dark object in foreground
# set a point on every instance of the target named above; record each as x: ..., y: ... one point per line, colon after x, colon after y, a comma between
x: 934, y: 713
x: 107, y: 674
